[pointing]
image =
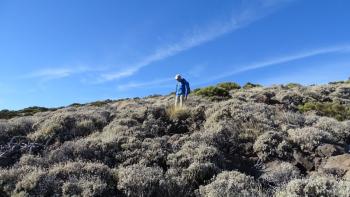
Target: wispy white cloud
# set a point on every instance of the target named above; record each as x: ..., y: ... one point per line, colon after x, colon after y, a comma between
x: 118, y: 75
x: 197, y: 70
x: 46, y: 74
x: 323, y: 72
x: 157, y: 82
x: 280, y: 60
x: 51, y: 73
x: 248, y: 14
x: 249, y: 67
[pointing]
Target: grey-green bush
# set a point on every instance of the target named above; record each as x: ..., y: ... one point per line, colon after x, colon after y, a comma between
x: 232, y: 183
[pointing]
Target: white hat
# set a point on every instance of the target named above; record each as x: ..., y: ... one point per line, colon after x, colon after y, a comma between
x: 178, y: 76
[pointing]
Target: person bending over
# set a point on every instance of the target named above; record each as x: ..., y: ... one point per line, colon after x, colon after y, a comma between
x: 182, y: 90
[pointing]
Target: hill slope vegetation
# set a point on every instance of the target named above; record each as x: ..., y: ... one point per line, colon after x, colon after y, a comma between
x: 285, y: 140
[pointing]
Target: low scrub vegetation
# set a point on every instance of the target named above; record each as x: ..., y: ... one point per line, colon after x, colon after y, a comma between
x: 251, y: 85
x: 266, y: 141
x: 177, y: 113
x: 331, y: 109
x: 229, y: 86
x: 213, y: 92
x: 8, y: 114
x: 221, y: 91
x: 232, y: 183
x: 100, y: 103
x: 339, y: 82
x: 293, y: 85
x: 316, y: 186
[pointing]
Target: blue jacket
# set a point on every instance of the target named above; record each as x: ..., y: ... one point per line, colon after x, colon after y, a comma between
x: 183, y: 87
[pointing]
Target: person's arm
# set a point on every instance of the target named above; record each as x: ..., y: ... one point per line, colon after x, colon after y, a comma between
x: 176, y: 88
x: 188, y: 90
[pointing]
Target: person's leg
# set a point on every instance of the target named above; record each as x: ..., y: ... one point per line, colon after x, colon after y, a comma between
x: 181, y: 100
x: 176, y: 100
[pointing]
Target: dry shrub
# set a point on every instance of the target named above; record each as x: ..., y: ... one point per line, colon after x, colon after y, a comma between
x: 177, y: 113
x: 342, y: 91
x: 15, y: 127
x: 140, y: 180
x: 184, y: 182
x: 10, y: 177
x: 194, y: 152
x: 251, y: 119
x: 33, y: 161
x: 117, y: 127
x: 231, y: 183
x: 88, y: 150
x: 86, y: 186
x: 271, y: 145
x: 224, y: 135
x: 279, y: 172
x: 191, y: 166
x: 67, y: 125
x: 339, y: 130
x: 315, y: 186
x: 308, y: 138
x: 311, y: 120
x: 150, y: 151
x: 197, y: 172
x: 155, y: 124
x: 290, y: 98
x: 119, y: 150
x: 288, y: 120
x: 83, y: 179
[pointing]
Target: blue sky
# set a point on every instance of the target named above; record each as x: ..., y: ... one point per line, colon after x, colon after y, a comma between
x: 54, y: 53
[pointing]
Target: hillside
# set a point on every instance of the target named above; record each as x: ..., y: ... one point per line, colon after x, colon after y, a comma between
x: 284, y: 140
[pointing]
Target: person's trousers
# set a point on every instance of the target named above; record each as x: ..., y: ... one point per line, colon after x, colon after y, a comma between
x: 179, y: 99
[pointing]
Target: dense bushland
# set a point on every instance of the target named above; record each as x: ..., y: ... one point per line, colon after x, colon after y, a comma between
x: 286, y: 140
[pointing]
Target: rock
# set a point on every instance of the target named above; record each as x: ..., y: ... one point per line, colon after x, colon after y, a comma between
x: 302, y: 160
x: 317, y: 162
x: 347, y: 149
x: 342, y: 92
x: 338, y: 165
x: 328, y: 150
x: 347, y: 176
x: 288, y: 97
